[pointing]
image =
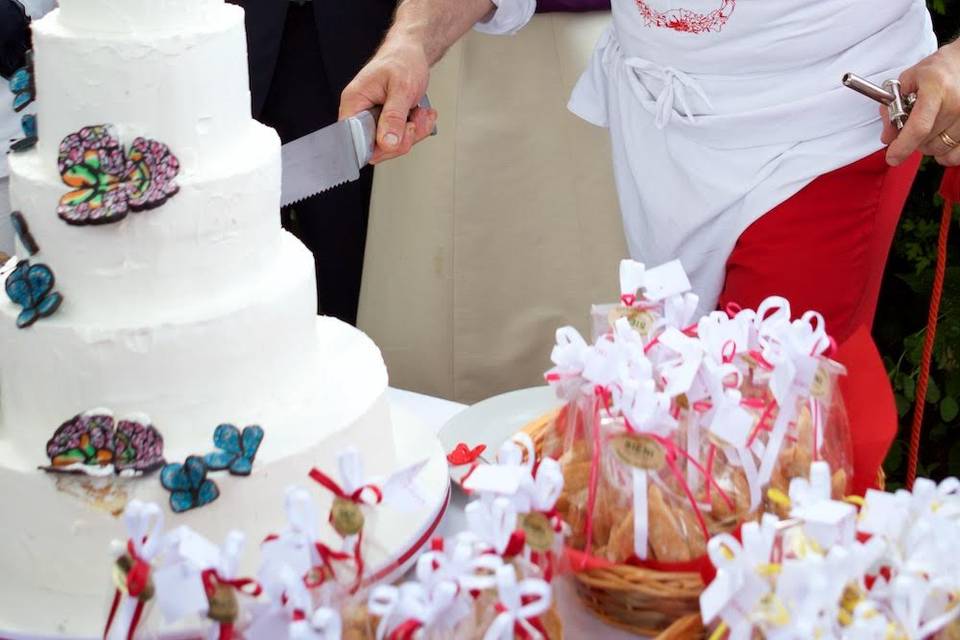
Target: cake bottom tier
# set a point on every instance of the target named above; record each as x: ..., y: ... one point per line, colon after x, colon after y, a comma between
x: 55, y: 532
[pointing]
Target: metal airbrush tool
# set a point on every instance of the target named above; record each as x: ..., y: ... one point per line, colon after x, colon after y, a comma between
x: 889, y: 95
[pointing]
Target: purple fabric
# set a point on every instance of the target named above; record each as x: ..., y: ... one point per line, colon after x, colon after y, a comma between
x: 544, y: 6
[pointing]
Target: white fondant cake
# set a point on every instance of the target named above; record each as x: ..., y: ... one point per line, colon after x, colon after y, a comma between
x: 197, y: 312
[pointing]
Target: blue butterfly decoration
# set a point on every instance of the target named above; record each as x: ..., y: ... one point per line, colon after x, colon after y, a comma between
x: 31, y: 287
x: 22, y: 85
x: 29, y: 140
x: 188, y: 484
x: 237, y: 450
x: 22, y: 229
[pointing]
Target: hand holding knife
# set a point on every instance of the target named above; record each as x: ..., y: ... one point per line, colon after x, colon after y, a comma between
x: 331, y: 156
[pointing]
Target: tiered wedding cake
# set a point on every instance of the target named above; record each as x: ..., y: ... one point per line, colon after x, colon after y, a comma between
x: 152, y: 195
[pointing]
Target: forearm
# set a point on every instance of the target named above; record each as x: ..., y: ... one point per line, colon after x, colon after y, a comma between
x: 436, y: 24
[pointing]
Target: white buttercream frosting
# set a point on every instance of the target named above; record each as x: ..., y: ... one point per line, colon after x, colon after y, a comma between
x: 136, y: 16
x: 198, y: 312
x: 186, y: 88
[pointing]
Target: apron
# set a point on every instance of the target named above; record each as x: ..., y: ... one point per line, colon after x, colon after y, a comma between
x: 719, y: 110
x: 500, y: 229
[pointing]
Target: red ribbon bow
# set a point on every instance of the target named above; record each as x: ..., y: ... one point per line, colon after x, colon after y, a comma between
x: 463, y: 454
x: 357, y: 496
x: 136, y: 583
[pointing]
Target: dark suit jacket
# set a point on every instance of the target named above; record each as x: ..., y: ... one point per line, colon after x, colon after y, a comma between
x: 350, y: 31
x: 14, y: 38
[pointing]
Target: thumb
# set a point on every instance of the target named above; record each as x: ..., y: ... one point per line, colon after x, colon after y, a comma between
x: 393, y: 119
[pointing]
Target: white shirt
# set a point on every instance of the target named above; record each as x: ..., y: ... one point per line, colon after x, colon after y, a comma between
x: 719, y: 110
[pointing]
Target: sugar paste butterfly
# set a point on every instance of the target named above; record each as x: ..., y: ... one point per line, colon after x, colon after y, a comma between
x: 188, y: 484
x: 29, y: 140
x: 109, y: 182
x: 22, y: 85
x: 22, y: 231
x: 31, y: 287
x: 237, y: 450
x: 94, y: 441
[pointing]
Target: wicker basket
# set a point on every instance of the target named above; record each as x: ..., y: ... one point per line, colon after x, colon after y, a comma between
x: 643, y: 601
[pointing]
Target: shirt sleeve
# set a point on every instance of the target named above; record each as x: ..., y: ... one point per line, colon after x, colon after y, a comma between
x: 36, y: 9
x: 509, y: 17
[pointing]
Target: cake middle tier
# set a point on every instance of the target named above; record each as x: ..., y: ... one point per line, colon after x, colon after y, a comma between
x: 251, y: 359
x: 221, y: 229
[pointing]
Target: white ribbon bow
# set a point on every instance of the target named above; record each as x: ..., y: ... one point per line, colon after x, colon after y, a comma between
x: 569, y: 357
x: 461, y: 562
x: 144, y: 523
x: 738, y: 588
x: 511, y: 594
x: 493, y: 522
x: 324, y: 624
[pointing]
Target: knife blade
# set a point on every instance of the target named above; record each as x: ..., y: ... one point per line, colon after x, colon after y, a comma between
x: 331, y: 156
x: 327, y: 158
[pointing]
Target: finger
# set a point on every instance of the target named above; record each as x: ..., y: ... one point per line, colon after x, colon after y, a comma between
x: 393, y: 120
x: 950, y: 159
x: 918, y: 128
x: 424, y: 119
x: 940, y: 144
x: 403, y: 147
x: 889, y: 131
x: 355, y: 98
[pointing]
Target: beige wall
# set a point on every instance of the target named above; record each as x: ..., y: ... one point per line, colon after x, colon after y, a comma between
x: 502, y: 228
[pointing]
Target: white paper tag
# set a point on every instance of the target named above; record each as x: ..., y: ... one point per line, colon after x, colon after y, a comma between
x: 194, y: 548
x: 881, y: 515
x: 400, y: 491
x: 666, y: 280
x: 732, y: 424
x: 494, y: 479
x: 180, y: 592
x: 287, y: 551
x: 631, y: 276
x: 829, y: 522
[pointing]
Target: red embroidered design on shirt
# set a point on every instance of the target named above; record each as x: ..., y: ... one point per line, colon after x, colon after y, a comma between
x: 686, y: 20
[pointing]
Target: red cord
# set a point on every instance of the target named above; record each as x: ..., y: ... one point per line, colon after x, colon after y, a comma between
x: 950, y: 191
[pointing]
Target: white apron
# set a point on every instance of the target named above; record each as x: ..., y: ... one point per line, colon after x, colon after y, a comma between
x: 719, y: 110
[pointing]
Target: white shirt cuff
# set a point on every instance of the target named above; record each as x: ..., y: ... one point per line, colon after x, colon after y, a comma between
x: 509, y: 17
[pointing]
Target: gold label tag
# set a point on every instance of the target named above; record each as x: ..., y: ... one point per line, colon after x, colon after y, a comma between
x: 537, y: 531
x: 121, y: 569
x: 641, y: 452
x: 347, y: 517
x: 224, y: 607
x: 820, y: 386
x: 642, y: 321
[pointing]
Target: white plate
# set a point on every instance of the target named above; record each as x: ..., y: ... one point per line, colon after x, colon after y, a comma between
x: 493, y: 421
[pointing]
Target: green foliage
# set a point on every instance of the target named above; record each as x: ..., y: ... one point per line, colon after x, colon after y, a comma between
x: 901, y: 317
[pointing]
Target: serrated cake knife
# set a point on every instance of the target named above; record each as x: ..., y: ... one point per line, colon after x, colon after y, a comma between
x: 329, y: 157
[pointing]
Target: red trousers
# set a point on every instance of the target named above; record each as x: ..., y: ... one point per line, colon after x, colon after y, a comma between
x: 826, y: 247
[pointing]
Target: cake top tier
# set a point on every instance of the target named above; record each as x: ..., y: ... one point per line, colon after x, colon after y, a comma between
x: 127, y: 16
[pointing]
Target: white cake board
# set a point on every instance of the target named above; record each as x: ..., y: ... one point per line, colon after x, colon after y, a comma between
x: 414, y: 441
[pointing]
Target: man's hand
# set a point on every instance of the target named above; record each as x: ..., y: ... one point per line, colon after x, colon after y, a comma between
x: 397, y: 75
x: 934, y: 124
x: 396, y: 78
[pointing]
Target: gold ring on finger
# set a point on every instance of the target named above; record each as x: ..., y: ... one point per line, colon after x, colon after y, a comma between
x: 948, y: 140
